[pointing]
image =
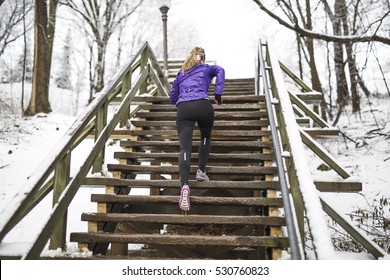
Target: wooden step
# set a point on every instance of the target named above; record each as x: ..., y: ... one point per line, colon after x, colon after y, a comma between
x: 226, y: 99
x: 254, y: 145
x: 218, y: 124
x: 225, y: 185
x: 323, y: 186
x: 158, y: 134
x: 211, y: 170
x: 184, y: 219
x: 202, y: 200
x: 185, y: 240
x: 219, y: 115
x: 223, y: 107
x: 213, y: 157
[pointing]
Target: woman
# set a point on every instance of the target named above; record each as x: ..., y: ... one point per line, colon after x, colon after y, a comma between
x: 190, y: 95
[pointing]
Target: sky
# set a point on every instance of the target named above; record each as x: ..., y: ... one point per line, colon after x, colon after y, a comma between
x: 229, y: 30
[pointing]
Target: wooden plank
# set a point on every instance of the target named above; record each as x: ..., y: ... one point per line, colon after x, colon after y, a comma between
x: 183, y: 219
x: 228, y: 98
x: 223, y: 107
x: 323, y: 186
x: 323, y: 154
x: 313, y: 115
x: 168, y: 199
x: 218, y: 115
x: 243, y: 170
x: 215, y: 133
x: 192, y: 240
x: 244, y: 185
x: 232, y: 145
x: 218, y: 124
x: 213, y: 157
x: 339, y: 186
x: 321, y: 132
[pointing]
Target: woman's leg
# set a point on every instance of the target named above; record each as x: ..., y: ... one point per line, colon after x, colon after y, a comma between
x: 205, y: 123
x: 185, y: 126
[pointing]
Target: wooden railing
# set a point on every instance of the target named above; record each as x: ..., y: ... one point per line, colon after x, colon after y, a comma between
x: 290, y: 139
x: 141, y: 74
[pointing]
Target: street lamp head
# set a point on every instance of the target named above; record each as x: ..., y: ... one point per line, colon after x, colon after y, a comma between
x: 166, y: 3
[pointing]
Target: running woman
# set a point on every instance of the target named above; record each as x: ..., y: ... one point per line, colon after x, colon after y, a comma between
x: 190, y: 95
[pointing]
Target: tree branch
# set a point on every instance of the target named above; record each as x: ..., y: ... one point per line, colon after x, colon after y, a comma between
x: 321, y: 36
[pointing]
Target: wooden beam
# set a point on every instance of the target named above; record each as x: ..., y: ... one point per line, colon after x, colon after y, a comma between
x: 323, y: 154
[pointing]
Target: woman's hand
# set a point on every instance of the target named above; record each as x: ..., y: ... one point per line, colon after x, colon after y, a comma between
x: 217, y: 99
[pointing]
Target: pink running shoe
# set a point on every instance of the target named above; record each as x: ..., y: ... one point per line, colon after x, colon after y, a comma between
x: 184, y: 202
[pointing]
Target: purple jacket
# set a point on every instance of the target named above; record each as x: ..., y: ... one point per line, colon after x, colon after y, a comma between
x: 194, y: 84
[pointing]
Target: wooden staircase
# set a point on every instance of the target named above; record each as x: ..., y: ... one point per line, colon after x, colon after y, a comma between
x: 237, y: 214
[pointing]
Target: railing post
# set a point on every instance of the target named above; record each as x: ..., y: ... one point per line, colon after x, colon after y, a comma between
x: 143, y: 67
x: 100, y: 123
x: 61, y: 179
x: 126, y: 85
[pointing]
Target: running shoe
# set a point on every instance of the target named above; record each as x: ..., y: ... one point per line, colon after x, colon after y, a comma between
x: 201, y: 175
x: 184, y: 202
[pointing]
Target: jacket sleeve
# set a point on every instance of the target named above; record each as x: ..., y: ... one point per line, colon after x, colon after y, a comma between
x: 219, y: 73
x: 175, y: 91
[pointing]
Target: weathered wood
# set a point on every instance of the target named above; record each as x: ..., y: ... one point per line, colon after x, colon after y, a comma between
x: 167, y: 133
x: 219, y: 115
x: 323, y: 154
x: 236, y: 124
x: 183, y: 219
x: 145, y: 169
x: 223, y: 107
x: 228, y: 98
x: 213, y: 157
x: 245, y: 185
x: 252, y: 145
x: 167, y: 199
x: 190, y: 240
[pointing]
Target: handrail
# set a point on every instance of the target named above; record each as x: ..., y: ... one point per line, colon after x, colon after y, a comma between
x: 94, y: 117
x: 300, y: 182
x: 294, y: 241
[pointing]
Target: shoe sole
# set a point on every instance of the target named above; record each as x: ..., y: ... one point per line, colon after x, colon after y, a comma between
x: 184, y: 202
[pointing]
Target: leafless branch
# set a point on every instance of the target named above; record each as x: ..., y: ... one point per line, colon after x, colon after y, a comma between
x: 325, y: 37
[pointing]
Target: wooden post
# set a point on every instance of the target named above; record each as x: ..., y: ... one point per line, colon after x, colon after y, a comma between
x: 100, y: 124
x: 61, y: 179
x: 126, y: 85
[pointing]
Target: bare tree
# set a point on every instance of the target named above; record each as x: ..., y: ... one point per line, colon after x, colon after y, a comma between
x: 102, y: 18
x: 359, y: 38
x: 12, y: 15
x: 351, y: 25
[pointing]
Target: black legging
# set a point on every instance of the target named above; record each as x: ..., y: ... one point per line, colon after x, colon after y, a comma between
x: 188, y: 113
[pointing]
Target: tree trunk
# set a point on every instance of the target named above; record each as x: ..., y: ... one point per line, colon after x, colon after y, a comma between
x: 353, y: 77
x: 43, y: 49
x: 315, y: 79
x: 341, y: 81
x: 39, y: 101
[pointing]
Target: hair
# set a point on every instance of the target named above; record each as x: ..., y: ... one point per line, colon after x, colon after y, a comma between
x: 191, y: 59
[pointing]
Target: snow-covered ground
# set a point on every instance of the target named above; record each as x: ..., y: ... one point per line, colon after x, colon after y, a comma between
x: 24, y: 143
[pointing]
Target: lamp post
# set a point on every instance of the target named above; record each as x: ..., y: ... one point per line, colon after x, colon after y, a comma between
x: 164, y: 11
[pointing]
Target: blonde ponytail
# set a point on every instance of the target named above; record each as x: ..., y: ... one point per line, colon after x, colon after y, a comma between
x: 191, y: 59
